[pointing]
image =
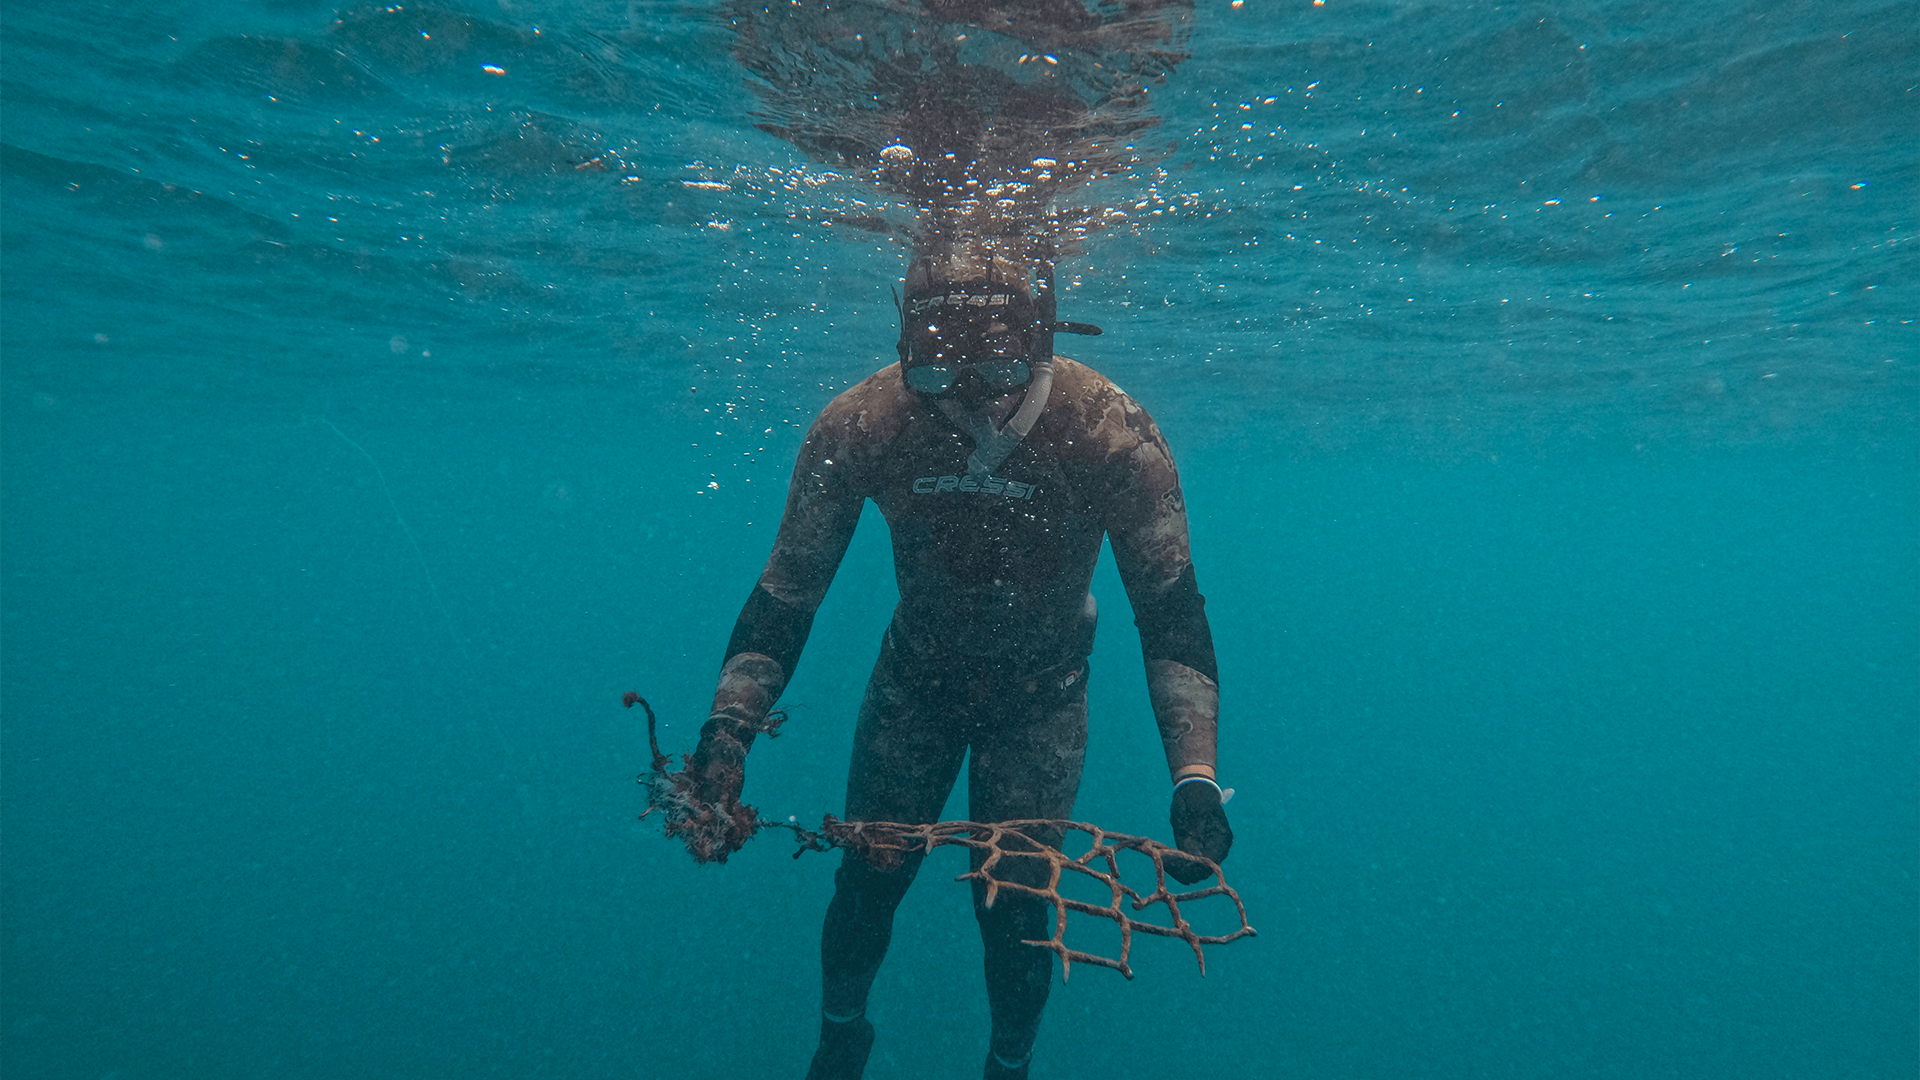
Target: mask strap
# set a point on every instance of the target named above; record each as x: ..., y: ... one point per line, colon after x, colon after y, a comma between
x: 901, y: 306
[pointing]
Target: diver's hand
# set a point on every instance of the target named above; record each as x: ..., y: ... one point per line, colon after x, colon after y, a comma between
x: 742, y: 709
x: 719, y: 763
x: 1199, y: 828
x: 703, y: 800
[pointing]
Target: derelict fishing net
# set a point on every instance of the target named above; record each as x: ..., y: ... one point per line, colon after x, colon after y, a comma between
x: 711, y: 832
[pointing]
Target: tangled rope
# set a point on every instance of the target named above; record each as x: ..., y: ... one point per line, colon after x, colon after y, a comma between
x: 711, y: 830
x: 707, y: 830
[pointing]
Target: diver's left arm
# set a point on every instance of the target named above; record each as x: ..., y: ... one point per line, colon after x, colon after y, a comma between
x: 1148, y: 529
x: 824, y: 501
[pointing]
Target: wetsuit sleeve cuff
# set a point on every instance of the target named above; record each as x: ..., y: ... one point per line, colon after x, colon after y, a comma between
x: 749, y: 685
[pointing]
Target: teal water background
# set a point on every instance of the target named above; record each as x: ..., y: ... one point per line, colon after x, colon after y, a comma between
x: 1544, y: 387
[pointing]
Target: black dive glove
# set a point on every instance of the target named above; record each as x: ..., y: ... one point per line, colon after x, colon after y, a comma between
x: 719, y: 763
x: 1199, y: 828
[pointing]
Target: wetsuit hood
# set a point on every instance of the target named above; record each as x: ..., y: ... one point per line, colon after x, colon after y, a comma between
x: 988, y: 324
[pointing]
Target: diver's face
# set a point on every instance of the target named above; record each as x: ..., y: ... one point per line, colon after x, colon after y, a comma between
x: 972, y: 355
x: 971, y: 391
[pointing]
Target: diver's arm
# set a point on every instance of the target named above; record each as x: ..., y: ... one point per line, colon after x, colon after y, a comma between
x: 766, y: 643
x: 1183, y: 684
x: 1182, y: 677
x: 823, y: 507
x: 1148, y: 530
x: 1150, y: 545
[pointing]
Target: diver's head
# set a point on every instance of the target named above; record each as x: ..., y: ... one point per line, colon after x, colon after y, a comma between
x: 969, y: 328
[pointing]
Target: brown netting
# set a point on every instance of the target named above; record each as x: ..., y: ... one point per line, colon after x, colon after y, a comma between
x: 711, y: 830
x: 712, y: 833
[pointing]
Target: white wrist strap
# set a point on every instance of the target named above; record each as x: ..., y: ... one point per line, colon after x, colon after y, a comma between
x: 1196, y: 778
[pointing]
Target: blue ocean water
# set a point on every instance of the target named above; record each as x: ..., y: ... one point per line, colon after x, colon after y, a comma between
x: 383, y: 391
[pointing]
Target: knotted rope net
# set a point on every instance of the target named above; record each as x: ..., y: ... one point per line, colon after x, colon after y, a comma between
x: 712, y: 832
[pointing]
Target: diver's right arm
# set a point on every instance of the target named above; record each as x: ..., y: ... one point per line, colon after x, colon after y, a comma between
x: 823, y: 506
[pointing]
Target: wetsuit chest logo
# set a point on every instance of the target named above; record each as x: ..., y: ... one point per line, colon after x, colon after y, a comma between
x: 984, y: 485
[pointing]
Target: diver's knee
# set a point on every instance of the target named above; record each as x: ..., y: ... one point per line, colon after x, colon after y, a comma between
x: 1012, y: 913
x: 858, y: 877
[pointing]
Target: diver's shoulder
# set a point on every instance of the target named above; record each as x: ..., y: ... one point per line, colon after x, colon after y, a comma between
x: 872, y: 409
x: 1080, y: 384
x: 1098, y: 416
x: 1088, y: 394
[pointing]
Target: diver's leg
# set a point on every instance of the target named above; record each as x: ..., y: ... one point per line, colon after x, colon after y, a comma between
x: 904, y: 766
x: 1026, y: 764
x: 842, y: 1051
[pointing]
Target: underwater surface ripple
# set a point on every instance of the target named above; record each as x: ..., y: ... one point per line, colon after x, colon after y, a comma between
x: 385, y: 389
x: 1624, y: 204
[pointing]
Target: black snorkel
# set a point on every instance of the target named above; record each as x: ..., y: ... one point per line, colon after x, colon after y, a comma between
x: 1049, y: 323
x: 1049, y: 306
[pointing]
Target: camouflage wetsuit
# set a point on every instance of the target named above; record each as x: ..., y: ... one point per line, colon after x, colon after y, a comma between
x: 987, y: 648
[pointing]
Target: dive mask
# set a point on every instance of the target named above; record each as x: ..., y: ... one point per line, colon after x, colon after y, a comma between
x: 989, y: 332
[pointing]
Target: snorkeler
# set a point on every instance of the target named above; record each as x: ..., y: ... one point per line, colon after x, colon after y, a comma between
x: 999, y: 468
